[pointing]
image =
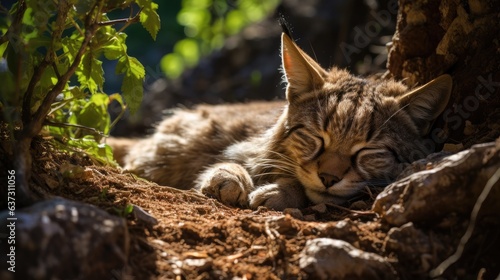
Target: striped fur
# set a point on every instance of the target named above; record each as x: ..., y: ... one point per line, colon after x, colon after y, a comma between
x: 335, y: 135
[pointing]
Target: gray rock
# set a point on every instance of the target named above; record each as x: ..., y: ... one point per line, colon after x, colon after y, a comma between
x: 326, y: 258
x: 451, y: 185
x: 414, y: 248
x: 63, y: 239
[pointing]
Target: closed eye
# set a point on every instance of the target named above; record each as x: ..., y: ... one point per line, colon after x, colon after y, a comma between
x: 307, y: 144
x: 320, y: 148
x: 372, y: 156
x: 356, y: 151
x: 375, y: 163
x: 292, y: 129
x: 316, y: 148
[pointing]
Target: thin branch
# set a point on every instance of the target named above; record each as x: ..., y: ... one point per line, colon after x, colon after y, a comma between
x: 48, y: 60
x: 37, y: 121
x: 56, y: 71
x: 120, y: 115
x: 50, y: 123
x: 59, y: 105
x: 137, y: 16
x: 37, y: 75
x: 76, y: 26
x: 122, y: 20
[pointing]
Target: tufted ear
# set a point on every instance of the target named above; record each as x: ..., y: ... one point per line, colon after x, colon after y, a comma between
x: 424, y: 104
x: 302, y: 73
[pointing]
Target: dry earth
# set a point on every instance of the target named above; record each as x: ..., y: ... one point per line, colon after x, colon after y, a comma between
x: 184, y: 235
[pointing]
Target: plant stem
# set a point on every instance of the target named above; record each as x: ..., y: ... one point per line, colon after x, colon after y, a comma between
x: 33, y: 125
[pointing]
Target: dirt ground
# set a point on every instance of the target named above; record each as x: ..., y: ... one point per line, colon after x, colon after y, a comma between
x: 199, y: 238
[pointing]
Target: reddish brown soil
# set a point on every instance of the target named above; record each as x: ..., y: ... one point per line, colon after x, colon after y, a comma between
x: 199, y: 238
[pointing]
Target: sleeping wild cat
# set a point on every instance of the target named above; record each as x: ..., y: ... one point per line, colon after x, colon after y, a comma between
x: 333, y: 136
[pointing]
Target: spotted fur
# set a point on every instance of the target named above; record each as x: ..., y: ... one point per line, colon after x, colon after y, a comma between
x: 335, y: 135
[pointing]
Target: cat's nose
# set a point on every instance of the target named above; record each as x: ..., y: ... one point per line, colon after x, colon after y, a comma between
x: 328, y: 180
x: 332, y: 168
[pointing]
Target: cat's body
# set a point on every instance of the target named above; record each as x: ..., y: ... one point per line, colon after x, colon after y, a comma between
x: 336, y: 135
x: 187, y: 142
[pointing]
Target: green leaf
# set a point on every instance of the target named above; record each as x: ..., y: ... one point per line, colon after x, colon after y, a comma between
x: 3, y: 47
x: 94, y: 114
x: 71, y: 45
x: 115, y: 47
x: 76, y: 92
x: 118, y: 98
x: 132, y: 91
x: 148, y: 17
x: 100, y: 152
x: 128, y: 209
x: 122, y: 65
x: 135, y: 68
x: 90, y: 73
x: 131, y: 66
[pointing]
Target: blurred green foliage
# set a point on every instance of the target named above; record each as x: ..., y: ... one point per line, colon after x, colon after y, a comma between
x: 207, y: 23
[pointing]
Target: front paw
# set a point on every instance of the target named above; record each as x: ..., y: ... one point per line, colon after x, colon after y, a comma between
x: 229, y: 183
x: 278, y: 197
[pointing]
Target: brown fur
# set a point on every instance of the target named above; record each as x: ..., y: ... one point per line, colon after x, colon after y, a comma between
x: 336, y: 135
x: 190, y: 140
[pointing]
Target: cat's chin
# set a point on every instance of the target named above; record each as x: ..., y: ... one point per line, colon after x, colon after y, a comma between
x: 336, y: 194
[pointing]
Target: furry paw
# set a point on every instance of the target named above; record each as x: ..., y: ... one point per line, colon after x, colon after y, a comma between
x: 278, y: 197
x: 229, y: 183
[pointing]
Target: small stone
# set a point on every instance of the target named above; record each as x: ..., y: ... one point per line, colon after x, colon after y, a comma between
x: 319, y: 208
x: 326, y: 258
x: 143, y: 216
x: 198, y: 264
x: 51, y: 183
x: 63, y: 239
x: 294, y: 212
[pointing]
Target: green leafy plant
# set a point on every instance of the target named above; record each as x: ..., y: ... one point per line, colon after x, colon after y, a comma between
x: 124, y: 211
x: 207, y: 23
x: 52, y: 77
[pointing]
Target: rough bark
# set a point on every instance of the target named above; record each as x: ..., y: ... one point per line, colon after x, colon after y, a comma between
x: 459, y: 38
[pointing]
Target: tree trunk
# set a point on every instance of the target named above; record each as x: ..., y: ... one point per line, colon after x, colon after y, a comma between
x: 460, y: 38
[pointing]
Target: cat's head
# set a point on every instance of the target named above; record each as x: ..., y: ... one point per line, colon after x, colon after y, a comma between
x: 345, y: 133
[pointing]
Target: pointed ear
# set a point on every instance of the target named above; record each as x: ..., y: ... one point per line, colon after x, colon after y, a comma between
x: 302, y: 73
x: 426, y: 103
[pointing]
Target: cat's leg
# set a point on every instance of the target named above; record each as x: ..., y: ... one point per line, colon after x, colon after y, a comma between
x: 229, y: 183
x: 282, y: 194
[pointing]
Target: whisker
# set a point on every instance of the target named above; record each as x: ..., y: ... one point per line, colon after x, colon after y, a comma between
x: 269, y: 173
x: 287, y: 170
x: 399, y: 110
x: 288, y: 158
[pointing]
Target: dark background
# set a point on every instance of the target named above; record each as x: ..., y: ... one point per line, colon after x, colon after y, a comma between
x: 344, y: 33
